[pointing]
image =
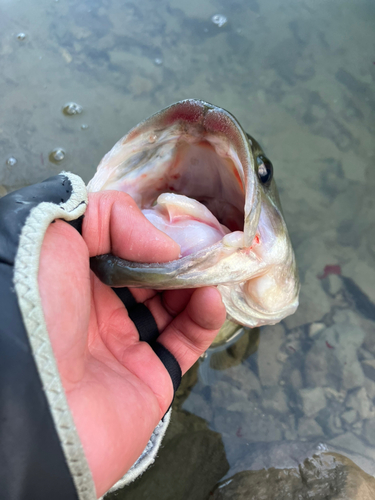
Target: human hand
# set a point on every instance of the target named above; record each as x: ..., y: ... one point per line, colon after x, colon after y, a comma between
x: 116, y: 386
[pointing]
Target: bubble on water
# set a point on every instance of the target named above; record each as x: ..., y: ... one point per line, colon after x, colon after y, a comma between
x: 158, y: 61
x: 72, y: 108
x: 56, y: 155
x: 11, y: 161
x: 21, y: 36
x: 84, y: 126
x: 219, y: 20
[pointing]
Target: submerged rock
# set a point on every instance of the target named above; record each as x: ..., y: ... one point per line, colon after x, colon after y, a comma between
x: 190, y: 463
x: 322, y: 477
x: 332, y: 360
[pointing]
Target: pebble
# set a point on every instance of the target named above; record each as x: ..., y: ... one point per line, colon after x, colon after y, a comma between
x: 313, y: 400
x: 334, y: 284
x: 315, y: 328
x: 349, y: 416
x: 359, y: 401
x: 275, y: 400
x: 281, y: 356
x: 308, y: 428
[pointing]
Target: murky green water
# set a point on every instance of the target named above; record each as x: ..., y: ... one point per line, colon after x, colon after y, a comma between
x: 299, y: 75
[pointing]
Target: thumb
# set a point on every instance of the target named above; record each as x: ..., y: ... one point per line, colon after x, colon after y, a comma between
x: 114, y: 224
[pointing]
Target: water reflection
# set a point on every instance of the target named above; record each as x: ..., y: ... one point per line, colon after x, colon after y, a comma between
x: 300, y: 76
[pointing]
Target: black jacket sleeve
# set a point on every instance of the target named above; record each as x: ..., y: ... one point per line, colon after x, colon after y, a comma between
x: 36, y: 462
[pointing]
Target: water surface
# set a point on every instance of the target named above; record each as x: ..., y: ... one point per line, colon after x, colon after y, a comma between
x: 299, y: 76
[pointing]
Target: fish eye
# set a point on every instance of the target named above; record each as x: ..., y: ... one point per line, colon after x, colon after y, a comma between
x: 265, y: 170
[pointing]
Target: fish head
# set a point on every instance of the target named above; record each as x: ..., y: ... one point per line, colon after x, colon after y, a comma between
x: 197, y: 176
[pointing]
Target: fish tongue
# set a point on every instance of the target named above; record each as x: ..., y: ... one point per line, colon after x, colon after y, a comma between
x: 186, y: 221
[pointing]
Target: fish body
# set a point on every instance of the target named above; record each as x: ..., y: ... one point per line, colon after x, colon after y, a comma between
x: 198, y: 177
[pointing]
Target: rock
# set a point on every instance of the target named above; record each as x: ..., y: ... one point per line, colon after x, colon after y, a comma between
x: 251, y: 426
x: 357, y: 428
x: 275, y: 400
x: 333, y: 395
x: 334, y: 424
x: 369, y: 431
x: 279, y: 454
x: 322, y: 477
x: 309, y: 428
x: 224, y: 395
x: 332, y: 360
x: 349, y: 416
x: 245, y: 379
x: 271, y: 339
x: 313, y: 400
x: 334, y: 284
x: 190, y: 462
x: 368, y: 367
x: 282, y: 356
x: 359, y: 401
x: 364, y: 354
x: 296, y: 379
x: 369, y: 385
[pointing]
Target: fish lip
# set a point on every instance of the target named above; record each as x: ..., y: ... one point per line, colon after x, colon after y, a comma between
x: 215, y: 120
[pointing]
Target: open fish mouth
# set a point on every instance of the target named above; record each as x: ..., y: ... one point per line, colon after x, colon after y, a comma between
x: 198, y: 177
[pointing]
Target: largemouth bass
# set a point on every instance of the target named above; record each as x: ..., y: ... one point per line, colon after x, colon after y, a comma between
x: 197, y: 176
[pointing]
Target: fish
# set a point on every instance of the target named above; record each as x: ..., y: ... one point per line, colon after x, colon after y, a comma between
x: 200, y: 178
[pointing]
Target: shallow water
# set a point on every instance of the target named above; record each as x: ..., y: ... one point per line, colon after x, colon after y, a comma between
x: 299, y: 76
